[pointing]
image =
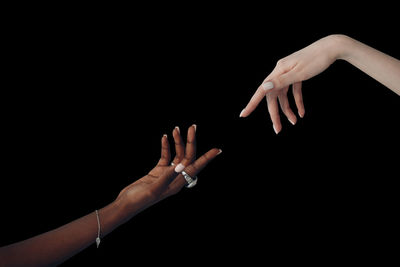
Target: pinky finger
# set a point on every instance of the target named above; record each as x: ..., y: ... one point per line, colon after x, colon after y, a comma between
x: 298, y: 98
x: 165, y: 152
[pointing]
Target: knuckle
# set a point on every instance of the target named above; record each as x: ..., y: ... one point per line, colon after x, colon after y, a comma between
x: 179, y: 144
x: 207, y: 157
x: 190, y: 158
x: 281, y: 62
x: 153, y: 193
x: 191, y: 142
x: 179, y: 158
x: 278, y: 82
x: 193, y: 170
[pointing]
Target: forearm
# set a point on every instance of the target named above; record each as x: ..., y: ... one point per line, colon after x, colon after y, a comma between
x: 383, y: 68
x: 56, y: 246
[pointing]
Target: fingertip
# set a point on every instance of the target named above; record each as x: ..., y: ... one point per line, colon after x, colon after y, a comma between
x: 192, y: 130
x: 212, y: 153
x: 177, y: 129
x: 176, y: 133
x: 277, y: 128
x: 215, y: 151
x: 179, y: 168
x: 292, y: 121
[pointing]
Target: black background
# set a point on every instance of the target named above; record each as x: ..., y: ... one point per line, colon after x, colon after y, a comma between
x: 88, y: 92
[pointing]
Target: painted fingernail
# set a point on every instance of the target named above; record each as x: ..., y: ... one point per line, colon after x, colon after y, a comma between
x: 292, y: 122
x: 177, y: 128
x: 267, y: 86
x: 219, y: 152
x: 179, y: 168
x: 275, y: 129
x: 195, y: 127
x: 241, y: 113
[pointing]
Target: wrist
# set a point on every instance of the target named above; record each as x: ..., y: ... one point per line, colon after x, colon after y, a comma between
x: 112, y: 216
x: 341, y: 45
x: 126, y: 207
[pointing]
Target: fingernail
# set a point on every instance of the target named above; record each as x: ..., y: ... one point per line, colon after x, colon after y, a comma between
x: 267, y: 86
x: 241, y: 113
x: 301, y: 114
x: 177, y: 128
x: 179, y: 168
x: 195, y: 127
x: 275, y: 129
x: 292, y: 122
x: 165, y: 135
x: 219, y: 152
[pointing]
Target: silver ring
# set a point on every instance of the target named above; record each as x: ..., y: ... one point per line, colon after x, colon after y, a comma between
x: 191, y: 182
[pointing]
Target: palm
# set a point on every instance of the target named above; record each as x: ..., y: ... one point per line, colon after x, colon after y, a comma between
x: 139, y: 190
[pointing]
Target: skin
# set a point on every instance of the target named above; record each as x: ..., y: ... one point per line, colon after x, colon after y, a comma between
x: 311, y: 61
x: 54, y: 247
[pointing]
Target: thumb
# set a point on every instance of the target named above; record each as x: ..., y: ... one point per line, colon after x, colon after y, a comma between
x: 280, y: 81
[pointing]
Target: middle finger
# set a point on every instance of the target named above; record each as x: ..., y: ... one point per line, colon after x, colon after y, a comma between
x: 190, y: 153
x: 179, y: 146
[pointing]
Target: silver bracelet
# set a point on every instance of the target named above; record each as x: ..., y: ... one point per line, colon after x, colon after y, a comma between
x: 98, y: 230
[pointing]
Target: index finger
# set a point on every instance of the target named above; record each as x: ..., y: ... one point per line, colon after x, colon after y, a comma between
x: 261, y: 91
x: 254, y: 101
x: 190, y: 153
x: 194, y: 168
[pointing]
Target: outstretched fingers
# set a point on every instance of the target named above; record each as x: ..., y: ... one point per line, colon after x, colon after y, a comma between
x: 171, y: 181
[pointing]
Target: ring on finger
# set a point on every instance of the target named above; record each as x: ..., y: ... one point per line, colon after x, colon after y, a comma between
x: 189, y: 179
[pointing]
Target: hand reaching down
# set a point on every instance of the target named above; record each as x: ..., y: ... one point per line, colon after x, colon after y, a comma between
x: 309, y: 62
